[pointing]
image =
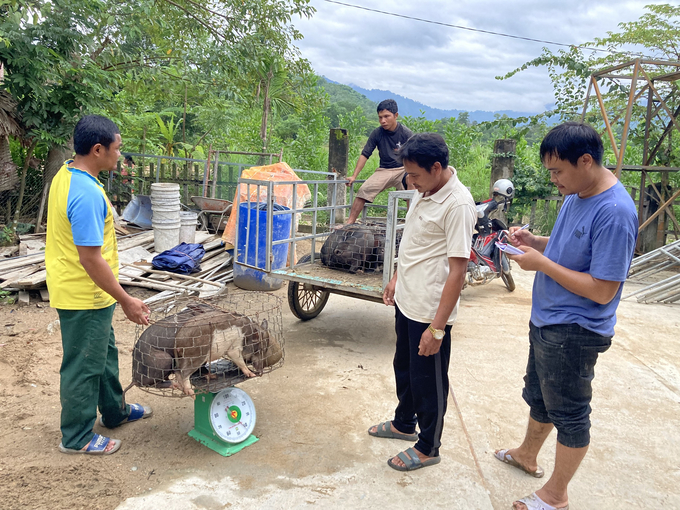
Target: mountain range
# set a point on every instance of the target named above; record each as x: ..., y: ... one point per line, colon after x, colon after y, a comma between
x: 413, y: 108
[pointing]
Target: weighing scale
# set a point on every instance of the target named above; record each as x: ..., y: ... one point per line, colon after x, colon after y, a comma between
x: 224, y: 421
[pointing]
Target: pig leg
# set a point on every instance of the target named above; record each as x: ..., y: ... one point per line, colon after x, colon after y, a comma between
x: 183, y: 375
x: 235, y: 356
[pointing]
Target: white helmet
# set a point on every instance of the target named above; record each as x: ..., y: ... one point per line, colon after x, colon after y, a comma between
x: 504, y: 187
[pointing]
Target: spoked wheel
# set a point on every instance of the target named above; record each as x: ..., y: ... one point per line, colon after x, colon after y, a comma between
x: 306, y: 300
x: 506, y: 276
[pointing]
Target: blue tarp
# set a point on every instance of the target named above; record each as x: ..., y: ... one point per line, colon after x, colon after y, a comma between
x: 183, y: 259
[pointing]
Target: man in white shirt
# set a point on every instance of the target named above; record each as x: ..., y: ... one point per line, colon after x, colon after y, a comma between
x: 425, y: 290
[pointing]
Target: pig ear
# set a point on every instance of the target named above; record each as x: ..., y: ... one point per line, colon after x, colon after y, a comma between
x: 265, y: 324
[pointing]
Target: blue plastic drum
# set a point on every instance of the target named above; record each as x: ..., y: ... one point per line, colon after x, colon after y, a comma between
x: 252, y: 279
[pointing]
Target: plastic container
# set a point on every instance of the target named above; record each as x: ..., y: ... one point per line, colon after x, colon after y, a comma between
x: 165, y: 201
x: 165, y: 234
x: 252, y: 279
x: 187, y: 229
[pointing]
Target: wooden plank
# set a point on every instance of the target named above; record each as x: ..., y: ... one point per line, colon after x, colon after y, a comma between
x: 12, y: 278
x: 32, y: 280
x: 213, y: 263
x: 140, y: 239
x: 36, y: 258
x: 212, y: 245
x: 202, y: 236
x: 9, y: 251
x: 44, y: 295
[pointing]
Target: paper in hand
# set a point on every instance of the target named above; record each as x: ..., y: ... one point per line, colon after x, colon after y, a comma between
x: 508, y: 248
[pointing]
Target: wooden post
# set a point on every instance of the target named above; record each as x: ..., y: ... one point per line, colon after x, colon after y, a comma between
x: 502, y: 166
x: 338, y: 157
x: 503, y: 162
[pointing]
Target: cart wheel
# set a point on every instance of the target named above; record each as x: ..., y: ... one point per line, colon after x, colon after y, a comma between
x: 305, y: 300
x: 202, y: 221
x: 507, y: 278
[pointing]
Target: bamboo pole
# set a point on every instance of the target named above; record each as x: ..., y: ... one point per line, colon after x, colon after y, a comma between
x: 661, y: 208
x: 181, y: 276
x: 606, y: 119
x: 629, y: 113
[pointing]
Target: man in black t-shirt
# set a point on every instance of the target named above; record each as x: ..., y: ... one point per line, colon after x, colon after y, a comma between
x: 389, y: 137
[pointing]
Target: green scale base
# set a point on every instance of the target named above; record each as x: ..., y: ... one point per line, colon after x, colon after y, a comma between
x: 203, y: 431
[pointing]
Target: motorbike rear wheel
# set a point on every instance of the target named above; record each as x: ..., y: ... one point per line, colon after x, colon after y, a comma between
x: 506, y: 276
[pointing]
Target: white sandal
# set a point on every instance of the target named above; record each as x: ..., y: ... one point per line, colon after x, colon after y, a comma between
x: 533, y: 502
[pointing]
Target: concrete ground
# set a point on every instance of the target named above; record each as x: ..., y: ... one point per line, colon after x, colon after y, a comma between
x: 337, y: 380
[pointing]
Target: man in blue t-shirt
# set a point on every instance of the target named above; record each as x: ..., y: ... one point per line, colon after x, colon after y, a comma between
x: 580, y: 270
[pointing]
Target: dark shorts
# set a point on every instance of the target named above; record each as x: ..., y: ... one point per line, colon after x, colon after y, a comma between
x: 557, y: 385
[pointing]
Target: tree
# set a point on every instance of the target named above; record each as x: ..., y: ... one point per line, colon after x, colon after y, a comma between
x: 656, y: 35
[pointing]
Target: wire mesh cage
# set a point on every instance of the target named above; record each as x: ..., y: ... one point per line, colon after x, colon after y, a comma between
x: 357, y: 248
x: 206, y: 345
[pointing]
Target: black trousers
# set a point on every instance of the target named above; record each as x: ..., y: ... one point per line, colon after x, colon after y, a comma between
x: 422, y: 385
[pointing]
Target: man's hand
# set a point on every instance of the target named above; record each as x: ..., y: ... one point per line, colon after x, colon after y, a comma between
x: 351, y: 181
x: 428, y: 345
x: 532, y: 260
x: 520, y: 237
x: 523, y: 238
x: 388, y: 293
x: 135, y: 310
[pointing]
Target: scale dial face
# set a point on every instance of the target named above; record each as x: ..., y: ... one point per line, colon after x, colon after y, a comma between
x: 232, y: 415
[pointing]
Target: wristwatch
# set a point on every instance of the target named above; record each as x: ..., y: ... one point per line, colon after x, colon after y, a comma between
x: 438, y: 334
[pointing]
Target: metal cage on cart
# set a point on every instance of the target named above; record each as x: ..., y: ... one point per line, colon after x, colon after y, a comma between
x: 310, y: 282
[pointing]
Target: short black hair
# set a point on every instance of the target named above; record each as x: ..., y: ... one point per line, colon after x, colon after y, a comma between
x: 570, y: 141
x: 91, y: 130
x: 425, y: 149
x: 388, y: 104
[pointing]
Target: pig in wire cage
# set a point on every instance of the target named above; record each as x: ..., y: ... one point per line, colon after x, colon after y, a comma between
x: 357, y: 248
x: 206, y: 345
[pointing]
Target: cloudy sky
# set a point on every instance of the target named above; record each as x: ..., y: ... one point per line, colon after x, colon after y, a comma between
x: 449, y: 68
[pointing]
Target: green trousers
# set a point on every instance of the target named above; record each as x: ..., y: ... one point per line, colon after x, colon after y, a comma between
x: 88, y: 374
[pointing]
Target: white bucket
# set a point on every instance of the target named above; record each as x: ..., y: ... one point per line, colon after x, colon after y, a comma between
x: 164, y: 187
x: 187, y: 231
x: 165, y: 234
x: 165, y: 201
x: 165, y: 211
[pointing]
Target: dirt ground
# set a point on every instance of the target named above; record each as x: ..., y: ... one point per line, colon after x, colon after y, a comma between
x: 340, y: 362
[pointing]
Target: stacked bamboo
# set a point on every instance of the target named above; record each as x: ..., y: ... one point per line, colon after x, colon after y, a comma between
x: 666, y: 258
x: 23, y: 273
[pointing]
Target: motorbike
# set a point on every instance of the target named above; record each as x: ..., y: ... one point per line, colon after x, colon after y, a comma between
x: 487, y: 261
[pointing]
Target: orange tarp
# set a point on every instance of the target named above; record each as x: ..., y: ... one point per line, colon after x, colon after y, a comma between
x: 283, y: 194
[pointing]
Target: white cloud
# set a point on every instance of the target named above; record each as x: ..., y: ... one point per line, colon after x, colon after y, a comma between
x: 450, y: 68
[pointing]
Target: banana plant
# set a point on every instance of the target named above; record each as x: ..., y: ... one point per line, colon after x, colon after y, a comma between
x: 169, y: 131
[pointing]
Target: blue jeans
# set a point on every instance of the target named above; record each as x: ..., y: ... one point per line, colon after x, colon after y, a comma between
x: 557, y: 385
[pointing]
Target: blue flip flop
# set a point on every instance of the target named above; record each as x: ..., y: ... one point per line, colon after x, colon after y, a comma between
x: 137, y: 412
x: 97, y: 446
x: 412, y: 462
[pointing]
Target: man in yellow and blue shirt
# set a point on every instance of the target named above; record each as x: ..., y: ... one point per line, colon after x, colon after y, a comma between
x: 81, y: 259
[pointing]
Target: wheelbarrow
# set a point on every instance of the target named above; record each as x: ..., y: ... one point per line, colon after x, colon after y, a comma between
x: 210, y: 206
